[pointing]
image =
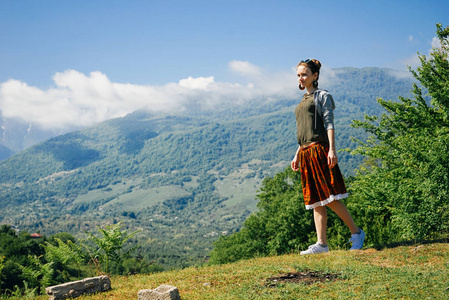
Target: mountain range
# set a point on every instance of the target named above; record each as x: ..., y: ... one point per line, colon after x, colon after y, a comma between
x: 181, y: 179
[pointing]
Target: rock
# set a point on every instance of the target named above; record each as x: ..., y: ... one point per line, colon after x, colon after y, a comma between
x: 163, y: 292
x: 76, y: 288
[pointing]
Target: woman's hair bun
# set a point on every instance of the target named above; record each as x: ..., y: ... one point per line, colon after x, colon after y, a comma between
x: 317, y: 63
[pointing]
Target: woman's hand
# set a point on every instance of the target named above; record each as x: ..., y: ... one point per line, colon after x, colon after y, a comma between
x: 332, y: 159
x: 295, y: 164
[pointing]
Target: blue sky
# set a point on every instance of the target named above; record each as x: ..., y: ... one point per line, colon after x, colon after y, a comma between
x: 192, y: 44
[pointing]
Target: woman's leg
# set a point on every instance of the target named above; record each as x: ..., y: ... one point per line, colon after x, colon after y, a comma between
x: 340, y: 209
x: 320, y: 218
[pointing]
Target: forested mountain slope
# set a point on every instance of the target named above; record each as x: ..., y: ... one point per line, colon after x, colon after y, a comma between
x: 182, y: 179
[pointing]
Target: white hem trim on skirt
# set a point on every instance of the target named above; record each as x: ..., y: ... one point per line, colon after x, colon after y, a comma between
x: 327, y: 201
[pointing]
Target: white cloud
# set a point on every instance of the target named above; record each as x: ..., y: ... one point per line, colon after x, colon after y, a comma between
x: 244, y: 68
x: 263, y: 83
x: 410, y: 38
x: 435, y: 42
x: 413, y: 61
x: 200, y: 83
x: 328, y: 76
x: 400, y: 74
x: 78, y: 99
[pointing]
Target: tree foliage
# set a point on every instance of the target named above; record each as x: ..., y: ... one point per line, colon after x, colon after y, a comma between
x: 402, y: 190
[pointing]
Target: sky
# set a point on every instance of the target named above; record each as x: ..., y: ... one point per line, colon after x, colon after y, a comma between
x: 74, y: 63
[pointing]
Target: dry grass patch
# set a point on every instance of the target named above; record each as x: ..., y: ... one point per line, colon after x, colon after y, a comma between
x: 305, y: 277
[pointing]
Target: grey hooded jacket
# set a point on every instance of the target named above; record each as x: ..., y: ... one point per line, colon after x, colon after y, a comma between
x: 324, y: 106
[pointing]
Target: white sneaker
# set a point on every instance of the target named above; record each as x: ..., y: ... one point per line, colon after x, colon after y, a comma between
x: 357, y: 240
x: 314, y: 249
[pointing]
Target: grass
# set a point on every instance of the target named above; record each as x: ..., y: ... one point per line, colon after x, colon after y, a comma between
x: 140, y: 199
x: 241, y: 185
x: 134, y: 200
x: 404, y: 272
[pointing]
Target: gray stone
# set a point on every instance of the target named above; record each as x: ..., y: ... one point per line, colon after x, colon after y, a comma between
x: 163, y: 292
x: 76, y: 288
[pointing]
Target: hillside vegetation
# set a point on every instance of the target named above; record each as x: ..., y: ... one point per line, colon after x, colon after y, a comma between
x: 174, y: 186
x: 181, y: 179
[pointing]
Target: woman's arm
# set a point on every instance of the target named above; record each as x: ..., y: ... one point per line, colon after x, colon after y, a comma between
x: 332, y: 158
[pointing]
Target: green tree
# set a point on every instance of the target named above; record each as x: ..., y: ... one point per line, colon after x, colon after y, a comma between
x: 110, y: 244
x: 17, y: 250
x: 402, y: 190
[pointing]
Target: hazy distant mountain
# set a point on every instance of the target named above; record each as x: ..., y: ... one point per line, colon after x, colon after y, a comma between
x: 5, y: 152
x: 182, y: 179
x: 17, y: 135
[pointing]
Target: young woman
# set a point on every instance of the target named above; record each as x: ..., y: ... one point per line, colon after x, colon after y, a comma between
x: 316, y: 157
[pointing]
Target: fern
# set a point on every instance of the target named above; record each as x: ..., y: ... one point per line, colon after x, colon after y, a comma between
x: 111, y: 243
x: 36, y: 274
x: 64, y: 254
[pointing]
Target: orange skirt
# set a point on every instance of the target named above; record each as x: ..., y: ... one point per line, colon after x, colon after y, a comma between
x: 320, y: 184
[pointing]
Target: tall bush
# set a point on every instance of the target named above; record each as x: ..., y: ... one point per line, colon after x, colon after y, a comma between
x: 402, y: 192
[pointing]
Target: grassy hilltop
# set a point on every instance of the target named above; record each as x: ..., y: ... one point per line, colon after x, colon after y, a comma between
x: 418, y: 271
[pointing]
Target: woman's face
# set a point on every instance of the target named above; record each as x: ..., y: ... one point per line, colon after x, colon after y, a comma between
x: 305, y: 76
